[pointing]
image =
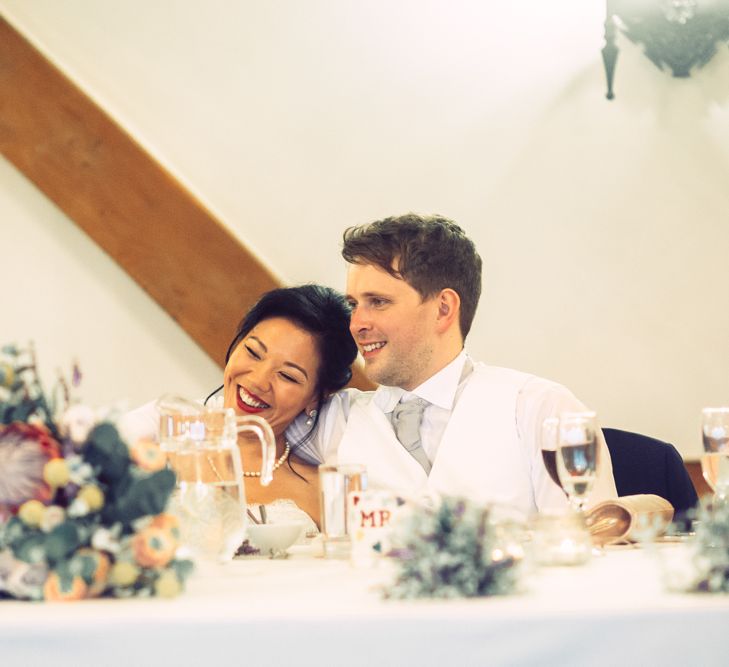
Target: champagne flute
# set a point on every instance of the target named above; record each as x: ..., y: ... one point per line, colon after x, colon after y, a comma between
x: 715, y: 460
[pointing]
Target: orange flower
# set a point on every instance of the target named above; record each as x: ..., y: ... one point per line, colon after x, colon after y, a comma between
x: 102, y: 565
x: 153, y: 547
x: 148, y: 455
x: 168, y: 522
x: 55, y: 591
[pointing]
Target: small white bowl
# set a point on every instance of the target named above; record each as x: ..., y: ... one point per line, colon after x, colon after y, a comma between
x: 274, y: 538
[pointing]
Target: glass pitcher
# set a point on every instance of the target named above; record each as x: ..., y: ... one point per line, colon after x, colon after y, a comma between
x: 202, y: 449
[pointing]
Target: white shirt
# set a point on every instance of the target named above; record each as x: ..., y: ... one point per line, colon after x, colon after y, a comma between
x: 441, y: 391
x: 537, y: 400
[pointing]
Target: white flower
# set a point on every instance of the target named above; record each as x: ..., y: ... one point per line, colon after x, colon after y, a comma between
x: 79, y: 507
x: 79, y: 471
x: 105, y: 539
x: 141, y: 523
x: 53, y: 516
x: 76, y: 423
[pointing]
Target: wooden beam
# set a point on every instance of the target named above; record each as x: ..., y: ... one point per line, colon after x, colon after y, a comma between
x: 135, y: 210
x: 124, y: 200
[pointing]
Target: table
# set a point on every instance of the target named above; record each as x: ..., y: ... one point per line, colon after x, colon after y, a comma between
x: 309, y: 611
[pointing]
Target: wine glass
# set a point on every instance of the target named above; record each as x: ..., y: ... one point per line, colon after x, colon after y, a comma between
x: 715, y: 460
x: 549, y: 450
x: 573, y: 437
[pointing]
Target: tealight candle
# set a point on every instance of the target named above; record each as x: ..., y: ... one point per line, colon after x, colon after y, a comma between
x: 561, y: 540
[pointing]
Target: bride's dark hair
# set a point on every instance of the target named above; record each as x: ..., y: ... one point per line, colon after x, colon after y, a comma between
x: 320, y: 311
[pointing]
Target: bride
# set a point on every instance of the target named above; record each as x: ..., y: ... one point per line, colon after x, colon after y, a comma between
x: 291, y: 351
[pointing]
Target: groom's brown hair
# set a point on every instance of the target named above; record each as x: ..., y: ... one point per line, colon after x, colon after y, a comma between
x: 430, y: 253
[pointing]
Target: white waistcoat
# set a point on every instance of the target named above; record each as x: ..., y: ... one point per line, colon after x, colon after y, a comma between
x: 480, y: 455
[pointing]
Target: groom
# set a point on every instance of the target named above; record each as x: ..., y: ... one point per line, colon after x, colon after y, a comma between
x: 440, y: 422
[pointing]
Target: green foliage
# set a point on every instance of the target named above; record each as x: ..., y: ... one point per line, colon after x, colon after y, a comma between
x: 449, y: 551
x: 141, y: 496
x: 183, y: 568
x: 62, y: 541
x: 107, y: 453
x: 712, y: 542
x: 30, y: 547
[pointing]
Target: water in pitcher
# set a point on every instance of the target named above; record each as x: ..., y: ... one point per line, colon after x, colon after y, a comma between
x: 202, y: 448
x: 207, y: 501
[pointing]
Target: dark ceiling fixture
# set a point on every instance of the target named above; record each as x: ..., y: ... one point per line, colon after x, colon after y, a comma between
x: 678, y: 35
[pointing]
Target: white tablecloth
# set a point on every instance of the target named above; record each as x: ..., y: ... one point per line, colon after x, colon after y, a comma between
x: 307, y: 611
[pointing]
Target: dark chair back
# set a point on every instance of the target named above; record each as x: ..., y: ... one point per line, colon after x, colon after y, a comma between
x: 647, y: 465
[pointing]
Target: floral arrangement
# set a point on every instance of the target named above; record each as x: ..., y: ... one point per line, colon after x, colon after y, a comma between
x: 81, y: 513
x: 711, y: 553
x: 449, y: 551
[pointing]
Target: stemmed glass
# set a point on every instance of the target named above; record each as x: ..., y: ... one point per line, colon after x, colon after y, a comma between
x: 715, y: 461
x: 573, y: 438
x: 549, y: 451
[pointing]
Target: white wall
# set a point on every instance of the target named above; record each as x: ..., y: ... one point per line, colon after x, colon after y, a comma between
x: 67, y: 296
x: 604, y: 226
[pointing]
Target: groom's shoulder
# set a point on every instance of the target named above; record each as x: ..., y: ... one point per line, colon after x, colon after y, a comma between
x: 492, y: 373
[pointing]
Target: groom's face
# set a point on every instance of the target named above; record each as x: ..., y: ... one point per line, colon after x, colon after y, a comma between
x: 392, y: 326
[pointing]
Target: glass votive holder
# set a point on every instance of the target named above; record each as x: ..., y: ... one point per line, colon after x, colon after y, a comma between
x: 561, y: 539
x: 336, y: 484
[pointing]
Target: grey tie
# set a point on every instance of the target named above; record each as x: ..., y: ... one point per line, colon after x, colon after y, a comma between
x: 406, y: 418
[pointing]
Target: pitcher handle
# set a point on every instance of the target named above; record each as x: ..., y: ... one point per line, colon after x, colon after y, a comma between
x: 262, y: 429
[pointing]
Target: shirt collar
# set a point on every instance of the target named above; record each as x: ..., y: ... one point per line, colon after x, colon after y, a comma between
x: 439, y: 389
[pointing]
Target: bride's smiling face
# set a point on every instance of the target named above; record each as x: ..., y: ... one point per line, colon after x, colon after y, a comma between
x: 273, y: 373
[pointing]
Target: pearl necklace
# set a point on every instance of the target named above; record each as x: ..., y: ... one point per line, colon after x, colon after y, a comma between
x: 276, y: 465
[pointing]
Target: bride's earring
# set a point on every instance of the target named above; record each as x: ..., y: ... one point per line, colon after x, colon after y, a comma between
x: 311, y: 417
